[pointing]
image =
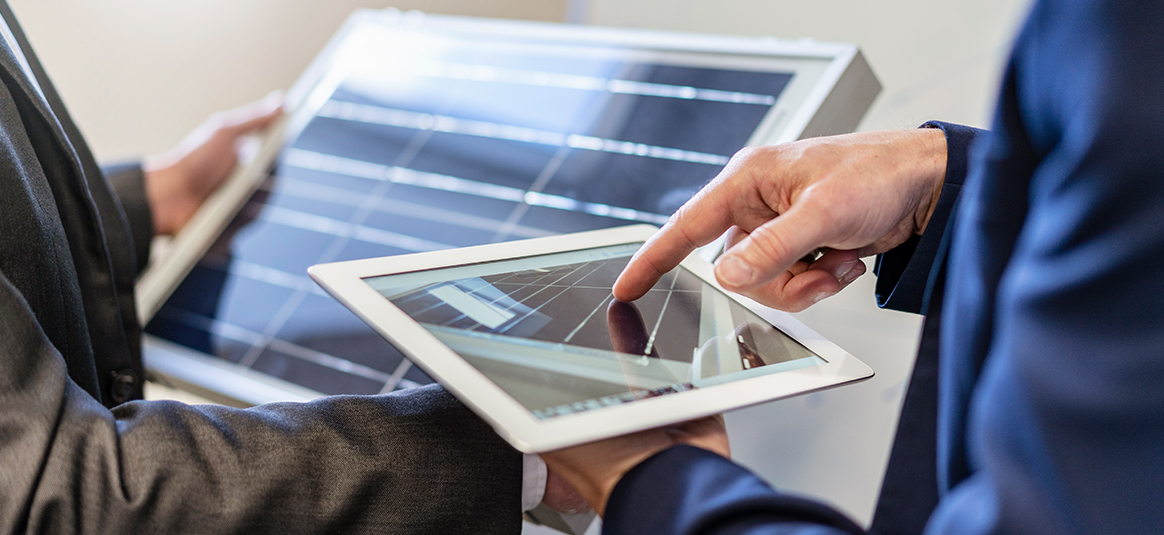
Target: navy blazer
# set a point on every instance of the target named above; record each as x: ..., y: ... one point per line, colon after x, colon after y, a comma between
x: 1049, y: 346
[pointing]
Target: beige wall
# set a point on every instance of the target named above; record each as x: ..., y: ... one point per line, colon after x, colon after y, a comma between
x: 138, y: 74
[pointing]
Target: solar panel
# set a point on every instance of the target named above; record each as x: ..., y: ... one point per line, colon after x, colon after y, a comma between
x: 416, y: 133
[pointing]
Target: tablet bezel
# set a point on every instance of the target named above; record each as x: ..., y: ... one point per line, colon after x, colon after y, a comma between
x: 516, y: 423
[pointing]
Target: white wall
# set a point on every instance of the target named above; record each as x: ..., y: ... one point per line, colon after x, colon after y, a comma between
x: 138, y: 74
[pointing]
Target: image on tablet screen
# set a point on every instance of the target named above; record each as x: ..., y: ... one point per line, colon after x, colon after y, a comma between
x: 548, y: 331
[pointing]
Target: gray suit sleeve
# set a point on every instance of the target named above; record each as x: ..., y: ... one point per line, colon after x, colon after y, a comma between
x: 415, y: 462
x: 128, y: 181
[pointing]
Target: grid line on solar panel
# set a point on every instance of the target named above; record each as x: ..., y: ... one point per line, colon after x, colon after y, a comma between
x: 353, y: 228
x: 329, y: 163
x: 510, y: 225
x: 273, y: 276
x: 246, y: 336
x: 397, y: 376
x: 313, y: 191
x: 435, y: 306
x: 326, y: 225
x: 211, y: 325
x: 350, y: 111
x: 330, y: 361
x: 554, y: 273
x: 486, y: 73
x: 662, y: 312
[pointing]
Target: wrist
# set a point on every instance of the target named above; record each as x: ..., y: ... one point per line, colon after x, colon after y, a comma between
x: 931, y: 174
x: 169, y: 206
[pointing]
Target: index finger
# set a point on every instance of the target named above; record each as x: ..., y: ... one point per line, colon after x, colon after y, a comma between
x: 699, y: 222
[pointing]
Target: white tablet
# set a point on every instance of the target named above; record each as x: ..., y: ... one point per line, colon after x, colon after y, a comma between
x: 528, y: 335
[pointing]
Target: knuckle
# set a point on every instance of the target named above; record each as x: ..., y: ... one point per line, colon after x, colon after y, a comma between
x: 767, y: 245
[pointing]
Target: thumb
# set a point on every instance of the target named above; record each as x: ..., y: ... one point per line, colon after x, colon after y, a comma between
x: 254, y: 116
x: 770, y: 249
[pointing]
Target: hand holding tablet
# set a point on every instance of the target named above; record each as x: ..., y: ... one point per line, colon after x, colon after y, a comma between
x: 529, y: 335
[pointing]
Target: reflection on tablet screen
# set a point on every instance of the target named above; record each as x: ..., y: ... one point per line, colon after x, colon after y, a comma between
x: 548, y: 331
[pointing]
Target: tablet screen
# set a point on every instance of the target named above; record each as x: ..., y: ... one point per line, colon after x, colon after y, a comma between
x: 548, y: 331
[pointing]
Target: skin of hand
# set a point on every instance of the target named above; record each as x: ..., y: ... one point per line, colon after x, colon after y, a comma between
x: 847, y: 196
x: 179, y: 181
x: 593, y: 469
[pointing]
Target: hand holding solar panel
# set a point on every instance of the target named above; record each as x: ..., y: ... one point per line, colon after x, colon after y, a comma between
x: 851, y: 195
x: 178, y: 182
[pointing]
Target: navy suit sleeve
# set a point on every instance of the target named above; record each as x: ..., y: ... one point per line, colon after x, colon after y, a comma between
x: 1056, y: 286
x: 903, y: 273
x: 688, y: 490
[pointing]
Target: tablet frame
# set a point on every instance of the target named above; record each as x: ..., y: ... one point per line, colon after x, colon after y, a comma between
x: 843, y: 89
x: 516, y: 423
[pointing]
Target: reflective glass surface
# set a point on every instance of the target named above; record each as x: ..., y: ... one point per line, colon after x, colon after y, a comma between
x: 548, y: 331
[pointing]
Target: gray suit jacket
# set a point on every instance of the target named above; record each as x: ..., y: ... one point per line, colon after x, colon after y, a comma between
x: 77, y: 454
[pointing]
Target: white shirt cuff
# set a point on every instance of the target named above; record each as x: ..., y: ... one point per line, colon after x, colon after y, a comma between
x: 533, y: 481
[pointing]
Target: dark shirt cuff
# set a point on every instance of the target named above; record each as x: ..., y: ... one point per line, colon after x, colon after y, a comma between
x: 904, y: 271
x: 128, y: 181
x: 690, y: 490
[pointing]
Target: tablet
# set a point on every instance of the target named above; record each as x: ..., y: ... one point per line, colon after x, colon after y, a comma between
x: 529, y: 335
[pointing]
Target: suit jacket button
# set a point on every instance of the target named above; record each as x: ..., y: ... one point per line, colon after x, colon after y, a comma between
x: 122, y: 386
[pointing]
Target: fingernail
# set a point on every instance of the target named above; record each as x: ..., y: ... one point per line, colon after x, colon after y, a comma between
x: 843, y: 270
x: 733, y: 271
x: 851, y: 275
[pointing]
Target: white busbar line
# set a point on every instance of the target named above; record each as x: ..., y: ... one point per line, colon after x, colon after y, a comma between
x: 364, y: 113
x: 328, y: 163
x: 486, y: 73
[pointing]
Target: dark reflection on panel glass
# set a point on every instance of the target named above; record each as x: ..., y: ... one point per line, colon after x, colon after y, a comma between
x: 249, y: 300
x: 495, y: 161
x: 359, y: 141
x: 357, y: 249
x: 562, y: 221
x: 425, y: 95
x: 281, y: 246
x: 322, y: 324
x: 496, y: 209
x: 436, y: 232
x: 418, y: 376
x: 759, y: 83
x: 649, y: 185
x: 666, y: 122
x: 305, y: 204
x: 314, y: 376
x: 347, y: 183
